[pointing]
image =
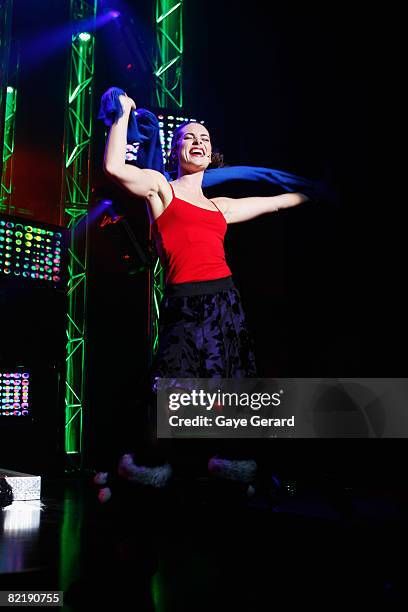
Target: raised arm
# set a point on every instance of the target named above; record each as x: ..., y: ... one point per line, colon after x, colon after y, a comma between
x: 148, y: 184
x: 236, y: 210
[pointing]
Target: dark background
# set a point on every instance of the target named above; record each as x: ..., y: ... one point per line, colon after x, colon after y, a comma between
x: 303, y: 89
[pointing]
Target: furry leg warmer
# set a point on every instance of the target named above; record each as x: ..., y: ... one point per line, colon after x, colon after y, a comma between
x: 236, y: 470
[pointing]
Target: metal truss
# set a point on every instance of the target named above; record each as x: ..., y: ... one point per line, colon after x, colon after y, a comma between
x: 74, y: 208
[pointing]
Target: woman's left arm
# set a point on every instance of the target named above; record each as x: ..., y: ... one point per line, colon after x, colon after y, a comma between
x: 236, y: 210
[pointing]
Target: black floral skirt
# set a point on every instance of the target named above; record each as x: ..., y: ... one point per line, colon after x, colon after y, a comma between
x: 203, y: 333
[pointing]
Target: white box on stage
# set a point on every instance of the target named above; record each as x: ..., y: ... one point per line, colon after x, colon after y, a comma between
x: 25, y: 486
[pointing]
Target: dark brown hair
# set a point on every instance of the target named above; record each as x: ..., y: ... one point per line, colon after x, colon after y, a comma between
x: 217, y: 158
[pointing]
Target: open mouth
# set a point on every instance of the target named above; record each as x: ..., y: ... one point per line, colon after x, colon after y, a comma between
x: 197, y: 152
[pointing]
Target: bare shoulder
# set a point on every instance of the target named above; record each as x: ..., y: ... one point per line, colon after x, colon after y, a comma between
x: 161, y: 184
x: 222, y: 204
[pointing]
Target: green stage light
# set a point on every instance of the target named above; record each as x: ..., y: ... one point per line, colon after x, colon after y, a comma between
x: 84, y: 36
x: 39, y: 255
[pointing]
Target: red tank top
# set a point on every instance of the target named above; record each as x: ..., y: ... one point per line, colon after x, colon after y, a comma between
x: 190, y: 242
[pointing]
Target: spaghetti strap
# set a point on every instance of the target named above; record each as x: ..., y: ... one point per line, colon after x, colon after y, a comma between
x: 216, y: 206
x: 172, y: 193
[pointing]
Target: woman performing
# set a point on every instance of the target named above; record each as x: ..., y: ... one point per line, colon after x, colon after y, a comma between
x: 202, y: 327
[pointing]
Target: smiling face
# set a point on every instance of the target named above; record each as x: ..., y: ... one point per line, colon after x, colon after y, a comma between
x: 193, y: 148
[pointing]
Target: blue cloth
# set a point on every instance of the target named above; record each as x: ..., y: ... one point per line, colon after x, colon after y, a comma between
x: 143, y: 134
x: 285, y: 181
x: 144, y: 151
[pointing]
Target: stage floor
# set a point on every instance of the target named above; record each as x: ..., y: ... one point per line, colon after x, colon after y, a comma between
x: 202, y: 545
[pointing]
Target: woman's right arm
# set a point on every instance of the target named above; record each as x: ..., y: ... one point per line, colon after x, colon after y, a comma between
x: 142, y: 183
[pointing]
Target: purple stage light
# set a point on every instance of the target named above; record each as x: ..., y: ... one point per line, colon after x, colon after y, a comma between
x: 14, y: 396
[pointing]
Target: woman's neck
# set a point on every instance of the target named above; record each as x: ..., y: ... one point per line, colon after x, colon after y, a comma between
x: 191, y: 183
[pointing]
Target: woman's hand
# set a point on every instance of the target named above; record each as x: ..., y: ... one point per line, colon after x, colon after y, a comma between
x: 127, y: 103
